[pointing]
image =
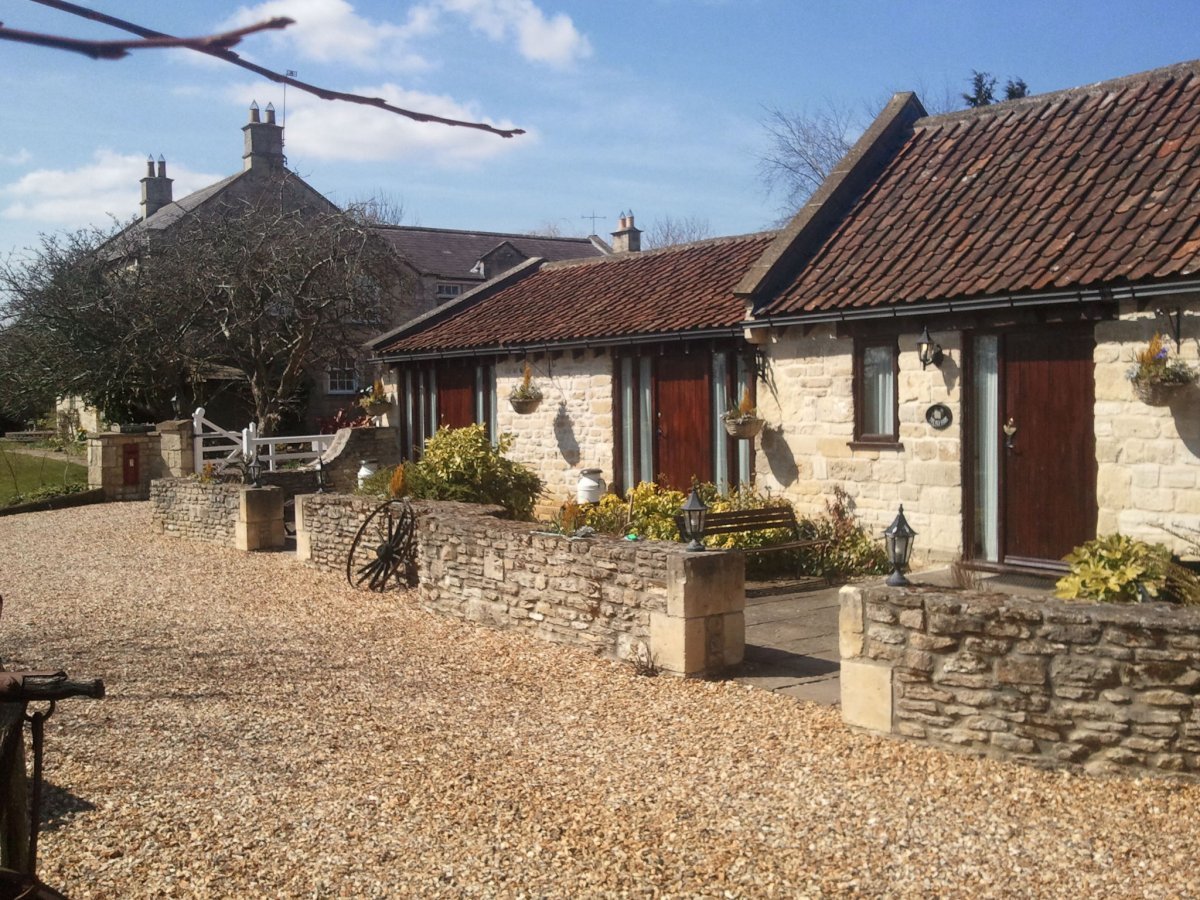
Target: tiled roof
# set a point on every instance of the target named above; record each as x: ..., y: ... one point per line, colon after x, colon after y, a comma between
x: 444, y: 251
x: 677, y: 289
x: 1085, y: 187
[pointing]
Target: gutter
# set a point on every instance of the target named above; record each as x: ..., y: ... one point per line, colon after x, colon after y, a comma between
x: 1007, y: 301
x: 507, y: 349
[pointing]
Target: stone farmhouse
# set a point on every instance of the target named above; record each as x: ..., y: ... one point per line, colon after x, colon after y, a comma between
x: 1029, y: 248
x: 432, y: 264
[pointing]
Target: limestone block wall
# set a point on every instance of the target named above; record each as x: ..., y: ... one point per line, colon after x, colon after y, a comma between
x: 233, y: 515
x: 187, y: 508
x: 1148, y: 457
x: 1098, y: 686
x: 808, y: 402
x: 121, y: 473
x: 617, y: 598
x: 572, y: 429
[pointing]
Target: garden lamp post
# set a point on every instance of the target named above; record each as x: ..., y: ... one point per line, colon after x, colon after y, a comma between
x: 694, y: 514
x: 320, y: 475
x: 254, y: 471
x: 899, y: 538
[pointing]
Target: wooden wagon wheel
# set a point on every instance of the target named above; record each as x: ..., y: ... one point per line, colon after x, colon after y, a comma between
x: 385, y: 549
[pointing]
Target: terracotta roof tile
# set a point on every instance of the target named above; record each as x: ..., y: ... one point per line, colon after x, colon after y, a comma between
x: 1081, y: 187
x: 683, y: 288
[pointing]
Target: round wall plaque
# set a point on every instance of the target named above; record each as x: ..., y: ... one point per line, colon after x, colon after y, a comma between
x: 939, y: 416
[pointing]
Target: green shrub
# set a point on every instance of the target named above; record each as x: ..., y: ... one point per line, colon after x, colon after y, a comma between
x: 463, y: 464
x: 649, y: 511
x: 1120, y: 569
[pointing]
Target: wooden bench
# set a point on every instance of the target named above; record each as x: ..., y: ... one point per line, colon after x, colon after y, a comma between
x: 746, y: 521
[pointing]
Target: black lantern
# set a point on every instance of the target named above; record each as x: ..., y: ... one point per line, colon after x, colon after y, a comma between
x: 899, y: 537
x: 254, y: 472
x: 694, y: 513
x: 320, y: 475
x: 927, y: 351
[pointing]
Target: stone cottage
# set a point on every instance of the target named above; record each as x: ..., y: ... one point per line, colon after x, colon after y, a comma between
x: 946, y: 324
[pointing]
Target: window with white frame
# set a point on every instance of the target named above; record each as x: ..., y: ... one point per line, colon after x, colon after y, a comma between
x: 445, y: 291
x: 343, y: 377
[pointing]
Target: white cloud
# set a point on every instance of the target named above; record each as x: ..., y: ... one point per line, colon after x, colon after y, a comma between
x: 18, y: 158
x: 539, y: 38
x: 332, y: 31
x: 319, y: 129
x: 89, y: 194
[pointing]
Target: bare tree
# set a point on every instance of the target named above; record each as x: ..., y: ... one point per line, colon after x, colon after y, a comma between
x: 259, y: 285
x: 804, y: 146
x: 668, y: 231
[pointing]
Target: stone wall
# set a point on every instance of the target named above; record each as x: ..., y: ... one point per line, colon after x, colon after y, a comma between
x: 186, y: 508
x: 1098, y: 686
x: 808, y: 402
x: 122, y: 465
x: 1148, y: 471
x: 608, y: 595
x: 572, y: 428
x: 233, y: 515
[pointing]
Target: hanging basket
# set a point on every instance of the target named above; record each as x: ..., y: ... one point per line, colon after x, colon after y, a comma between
x: 377, y: 407
x: 1157, y: 393
x: 744, y: 428
x: 524, y: 405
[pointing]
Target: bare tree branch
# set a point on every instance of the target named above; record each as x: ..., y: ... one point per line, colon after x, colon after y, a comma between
x: 120, y: 49
x: 230, y: 56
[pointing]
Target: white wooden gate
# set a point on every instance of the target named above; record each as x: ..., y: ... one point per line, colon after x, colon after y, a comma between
x: 213, y: 444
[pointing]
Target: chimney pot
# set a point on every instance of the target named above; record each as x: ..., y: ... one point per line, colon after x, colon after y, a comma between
x: 162, y: 167
x: 254, y: 111
x: 149, y: 166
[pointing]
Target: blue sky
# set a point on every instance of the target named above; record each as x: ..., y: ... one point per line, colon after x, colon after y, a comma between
x: 653, y: 106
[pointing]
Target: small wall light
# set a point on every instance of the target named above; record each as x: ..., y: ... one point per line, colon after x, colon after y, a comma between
x: 320, y: 475
x: 928, y: 351
x: 899, y: 538
x: 694, y: 515
x: 254, y: 472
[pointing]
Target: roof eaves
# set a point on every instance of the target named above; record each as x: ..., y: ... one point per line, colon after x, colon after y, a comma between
x: 459, y: 304
x: 812, y: 224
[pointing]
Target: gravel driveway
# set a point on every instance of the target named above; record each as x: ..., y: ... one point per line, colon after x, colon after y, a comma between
x: 270, y: 733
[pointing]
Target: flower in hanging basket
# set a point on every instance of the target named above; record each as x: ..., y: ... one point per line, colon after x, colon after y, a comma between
x: 375, y: 401
x: 525, y: 396
x: 742, y: 421
x: 1155, y: 376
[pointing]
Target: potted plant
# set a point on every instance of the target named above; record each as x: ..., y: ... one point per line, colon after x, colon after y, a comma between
x: 375, y: 401
x: 525, y: 396
x: 1155, y: 376
x: 742, y: 421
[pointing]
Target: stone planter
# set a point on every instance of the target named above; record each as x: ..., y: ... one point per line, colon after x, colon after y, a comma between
x: 745, y: 427
x: 1157, y: 393
x: 524, y: 405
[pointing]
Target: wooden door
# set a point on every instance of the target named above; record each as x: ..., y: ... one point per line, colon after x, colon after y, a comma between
x: 683, y: 419
x: 1049, y: 460
x: 456, y: 396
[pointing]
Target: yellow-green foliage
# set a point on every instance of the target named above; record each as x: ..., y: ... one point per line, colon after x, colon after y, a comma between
x: 1109, y: 569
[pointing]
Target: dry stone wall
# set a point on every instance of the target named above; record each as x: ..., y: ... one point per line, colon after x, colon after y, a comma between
x: 1099, y: 686
x: 618, y: 598
x: 187, y: 508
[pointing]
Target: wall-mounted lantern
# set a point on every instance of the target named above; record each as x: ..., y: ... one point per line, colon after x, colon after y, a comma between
x: 899, y: 539
x: 927, y: 351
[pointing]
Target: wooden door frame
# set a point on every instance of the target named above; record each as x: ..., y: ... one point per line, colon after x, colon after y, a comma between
x: 969, y: 448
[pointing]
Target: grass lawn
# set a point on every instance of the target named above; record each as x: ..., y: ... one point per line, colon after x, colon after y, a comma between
x: 21, y: 473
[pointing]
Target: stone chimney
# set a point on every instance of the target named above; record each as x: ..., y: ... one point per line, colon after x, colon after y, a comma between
x: 264, y: 142
x: 627, y: 238
x: 156, y: 189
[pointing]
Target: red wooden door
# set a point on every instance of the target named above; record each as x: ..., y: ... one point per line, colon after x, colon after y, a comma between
x: 1049, y: 467
x: 455, y: 396
x: 683, y: 419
